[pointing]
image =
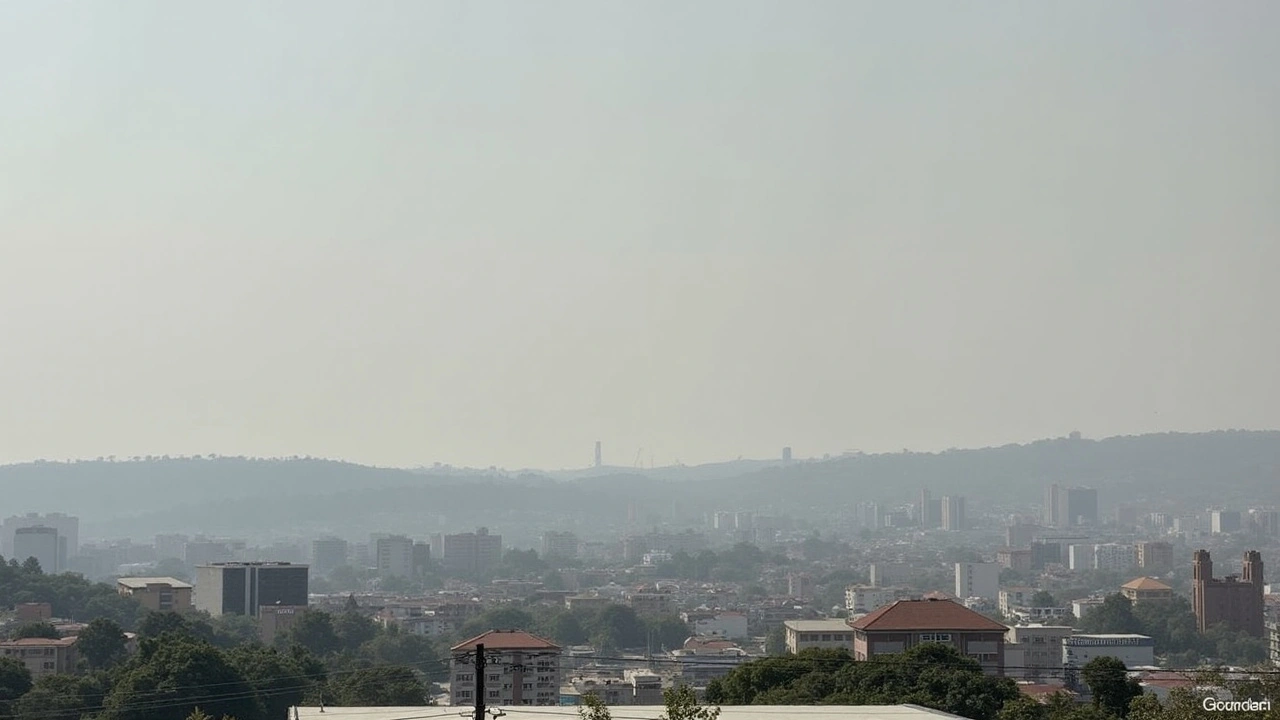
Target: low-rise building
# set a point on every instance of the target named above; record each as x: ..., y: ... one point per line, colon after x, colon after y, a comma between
x: 1038, y: 650
x: 725, y: 624
x: 907, y: 623
x: 43, y: 656
x: 276, y: 619
x: 520, y: 669
x: 160, y: 594
x: 652, y: 604
x: 1131, y: 649
x: 805, y: 634
x: 1146, y: 589
x: 865, y: 598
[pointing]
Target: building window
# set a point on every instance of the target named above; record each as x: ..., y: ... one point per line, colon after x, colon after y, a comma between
x: 826, y: 637
x: 464, y: 694
x: 935, y: 637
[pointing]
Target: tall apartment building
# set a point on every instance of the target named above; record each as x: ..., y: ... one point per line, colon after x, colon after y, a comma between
x: 1224, y: 521
x: 520, y: 669
x: 924, y: 511
x: 1070, y: 506
x: 242, y: 588
x: 1234, y: 600
x: 471, y: 554
x: 395, y: 556
x: 559, y: 545
x: 161, y: 594
x: 1021, y: 535
x: 41, y: 543
x: 329, y: 554
x: 68, y: 527
x: 1155, y: 556
x: 953, y: 519
x: 980, y: 580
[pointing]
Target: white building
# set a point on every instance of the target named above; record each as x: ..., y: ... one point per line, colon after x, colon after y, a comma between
x: 980, y: 580
x: 520, y: 669
x: 805, y: 634
x: 725, y: 624
x: 1013, y: 598
x: 1038, y: 650
x: 395, y: 556
x: 863, y: 599
x: 1115, y: 557
x: 1132, y: 650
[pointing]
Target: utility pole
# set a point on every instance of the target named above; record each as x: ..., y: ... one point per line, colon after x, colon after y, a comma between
x: 480, y: 682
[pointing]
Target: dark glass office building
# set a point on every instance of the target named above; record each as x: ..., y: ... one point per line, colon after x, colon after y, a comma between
x: 242, y: 588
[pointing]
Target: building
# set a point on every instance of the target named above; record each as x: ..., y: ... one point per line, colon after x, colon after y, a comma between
x: 1036, y: 651
x: 1070, y: 507
x: 723, y: 624
x: 1224, y: 521
x: 1273, y: 642
x: 242, y: 588
x: 906, y: 623
x: 805, y: 634
x: 978, y: 580
x: 471, y: 554
x: 276, y: 619
x: 861, y: 599
x: 1013, y: 598
x: 1234, y: 600
x: 924, y: 511
x: 1017, y: 560
x: 889, y: 574
x: 67, y: 526
x: 799, y: 586
x: 652, y: 604
x: 953, y: 519
x: 43, y: 656
x: 1155, y: 556
x: 328, y: 554
x: 1146, y: 589
x: 559, y: 545
x: 39, y: 542
x: 1115, y: 557
x: 520, y: 669
x: 395, y: 556
x: 1132, y: 650
x: 786, y: 454
x: 161, y: 594
x: 33, y: 612
x: 1021, y: 535
x: 655, y: 711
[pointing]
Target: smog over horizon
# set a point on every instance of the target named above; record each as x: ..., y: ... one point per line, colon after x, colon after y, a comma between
x: 488, y: 234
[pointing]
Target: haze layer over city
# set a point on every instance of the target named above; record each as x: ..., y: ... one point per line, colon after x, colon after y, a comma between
x: 655, y: 347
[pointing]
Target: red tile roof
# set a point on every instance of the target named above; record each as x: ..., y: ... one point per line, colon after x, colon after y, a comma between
x: 506, y: 640
x: 1145, y: 583
x: 926, y: 615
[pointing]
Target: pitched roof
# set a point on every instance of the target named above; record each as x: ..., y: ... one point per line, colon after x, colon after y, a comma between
x: 506, y: 640
x: 926, y: 615
x: 1145, y: 583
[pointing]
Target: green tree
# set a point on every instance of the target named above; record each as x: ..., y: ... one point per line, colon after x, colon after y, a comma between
x: 682, y: 704
x: 396, y: 647
x: 667, y: 633
x: 31, y: 566
x: 278, y: 678
x: 1114, y: 615
x: 1042, y: 599
x: 102, y: 643
x: 775, y: 642
x: 181, y: 674
x: 617, y: 627
x: 60, y: 697
x: 353, y: 630
x: 1110, y: 685
x: 379, y: 686
x: 37, y: 630
x: 593, y: 708
x: 1023, y: 708
x: 314, y: 631
x: 15, y: 681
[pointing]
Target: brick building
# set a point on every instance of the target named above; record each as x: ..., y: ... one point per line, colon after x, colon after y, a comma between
x: 1236, y: 600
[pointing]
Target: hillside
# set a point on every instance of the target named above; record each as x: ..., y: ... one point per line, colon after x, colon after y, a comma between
x: 235, y: 494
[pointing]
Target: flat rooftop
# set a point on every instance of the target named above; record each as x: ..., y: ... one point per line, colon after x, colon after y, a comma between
x: 633, y: 712
x: 141, y: 583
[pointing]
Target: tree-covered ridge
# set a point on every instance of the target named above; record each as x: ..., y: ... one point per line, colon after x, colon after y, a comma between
x: 1164, y: 465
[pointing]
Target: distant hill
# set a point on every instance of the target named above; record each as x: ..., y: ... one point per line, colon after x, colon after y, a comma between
x: 231, y: 494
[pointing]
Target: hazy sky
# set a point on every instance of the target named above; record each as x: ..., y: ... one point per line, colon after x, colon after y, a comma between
x: 494, y: 233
